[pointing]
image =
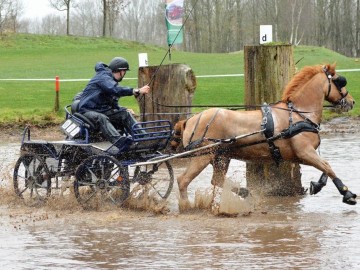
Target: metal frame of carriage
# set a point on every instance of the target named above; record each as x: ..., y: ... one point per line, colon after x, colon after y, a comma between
x: 100, y: 171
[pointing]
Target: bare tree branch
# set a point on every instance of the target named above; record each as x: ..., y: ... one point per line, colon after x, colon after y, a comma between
x: 63, y: 5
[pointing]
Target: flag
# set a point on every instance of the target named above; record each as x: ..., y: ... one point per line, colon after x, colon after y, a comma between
x: 174, y: 21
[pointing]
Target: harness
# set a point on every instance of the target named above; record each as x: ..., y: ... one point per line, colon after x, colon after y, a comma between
x: 267, y: 128
x: 193, y: 144
x: 294, y: 128
x: 267, y: 124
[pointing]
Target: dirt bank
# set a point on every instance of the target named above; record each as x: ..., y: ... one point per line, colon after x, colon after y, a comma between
x: 341, y: 125
x: 14, y: 134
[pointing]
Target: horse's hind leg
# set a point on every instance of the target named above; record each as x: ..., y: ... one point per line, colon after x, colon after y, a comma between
x: 221, y: 166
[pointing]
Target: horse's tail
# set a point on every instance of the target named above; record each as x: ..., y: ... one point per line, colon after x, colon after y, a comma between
x: 176, y: 139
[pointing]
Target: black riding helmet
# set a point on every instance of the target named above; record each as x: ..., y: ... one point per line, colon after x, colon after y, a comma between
x: 119, y: 63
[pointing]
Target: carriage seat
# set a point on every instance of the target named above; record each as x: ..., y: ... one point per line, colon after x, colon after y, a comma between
x: 86, y: 131
x: 87, y: 122
x: 78, y: 126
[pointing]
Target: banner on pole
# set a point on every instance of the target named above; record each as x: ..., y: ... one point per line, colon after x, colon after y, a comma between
x: 174, y: 21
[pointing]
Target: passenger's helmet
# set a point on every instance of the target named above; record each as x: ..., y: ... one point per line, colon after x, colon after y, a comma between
x: 119, y: 63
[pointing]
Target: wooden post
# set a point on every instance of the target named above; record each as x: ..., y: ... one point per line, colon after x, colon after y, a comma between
x: 173, y: 85
x: 268, y: 69
x: 57, y: 89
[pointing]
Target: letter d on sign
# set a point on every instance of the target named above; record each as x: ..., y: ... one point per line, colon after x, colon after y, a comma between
x: 265, y: 34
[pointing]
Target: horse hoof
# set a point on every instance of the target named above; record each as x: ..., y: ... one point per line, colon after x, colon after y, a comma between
x: 349, y: 198
x: 315, y: 187
x: 243, y: 192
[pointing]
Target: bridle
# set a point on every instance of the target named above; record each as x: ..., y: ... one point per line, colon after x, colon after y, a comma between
x: 339, y: 82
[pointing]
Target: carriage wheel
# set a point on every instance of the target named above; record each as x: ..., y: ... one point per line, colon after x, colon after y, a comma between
x: 100, y: 180
x: 32, y: 181
x: 157, y: 179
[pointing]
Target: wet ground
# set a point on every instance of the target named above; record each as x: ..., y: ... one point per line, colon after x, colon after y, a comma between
x: 304, y: 232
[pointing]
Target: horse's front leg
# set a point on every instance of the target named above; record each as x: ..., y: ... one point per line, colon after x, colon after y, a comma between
x: 196, y: 165
x: 310, y: 157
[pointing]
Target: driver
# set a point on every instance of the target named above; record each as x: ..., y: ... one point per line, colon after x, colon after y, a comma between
x: 99, y: 100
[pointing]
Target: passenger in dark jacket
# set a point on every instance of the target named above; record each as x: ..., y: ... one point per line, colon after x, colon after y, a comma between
x: 99, y: 99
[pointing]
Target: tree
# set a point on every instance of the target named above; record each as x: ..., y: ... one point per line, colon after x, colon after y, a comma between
x: 52, y: 25
x: 211, y: 26
x: 15, y: 11
x: 111, y: 12
x: 357, y: 38
x: 296, y: 10
x: 238, y: 25
x: 63, y: 5
x: 9, y: 13
x: 87, y: 20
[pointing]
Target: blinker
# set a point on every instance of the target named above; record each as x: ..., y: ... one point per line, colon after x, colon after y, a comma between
x: 340, y: 82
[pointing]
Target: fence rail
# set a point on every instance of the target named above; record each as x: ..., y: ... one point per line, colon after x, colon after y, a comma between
x: 198, y: 76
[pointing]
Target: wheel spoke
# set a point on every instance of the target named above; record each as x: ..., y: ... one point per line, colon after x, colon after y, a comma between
x: 156, y: 189
x: 159, y: 178
x: 31, y: 179
x: 89, y: 197
x: 101, y: 173
x: 21, y: 192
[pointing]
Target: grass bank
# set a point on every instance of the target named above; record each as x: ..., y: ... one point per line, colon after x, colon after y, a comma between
x: 44, y: 57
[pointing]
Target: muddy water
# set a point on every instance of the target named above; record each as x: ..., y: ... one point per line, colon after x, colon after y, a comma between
x: 307, y: 232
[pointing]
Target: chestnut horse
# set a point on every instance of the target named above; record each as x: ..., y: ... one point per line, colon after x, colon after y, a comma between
x: 286, y: 130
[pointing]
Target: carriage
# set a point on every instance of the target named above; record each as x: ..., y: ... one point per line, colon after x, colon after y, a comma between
x: 99, y: 170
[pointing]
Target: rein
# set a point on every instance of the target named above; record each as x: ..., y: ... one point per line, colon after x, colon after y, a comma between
x: 233, y: 106
x: 339, y: 82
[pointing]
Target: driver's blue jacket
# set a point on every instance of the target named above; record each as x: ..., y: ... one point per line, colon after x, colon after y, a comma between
x: 102, y: 92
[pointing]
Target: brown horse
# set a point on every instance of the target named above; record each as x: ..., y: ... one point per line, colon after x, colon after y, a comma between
x: 286, y: 130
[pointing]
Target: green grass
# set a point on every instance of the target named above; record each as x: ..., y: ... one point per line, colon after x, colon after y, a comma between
x: 44, y: 57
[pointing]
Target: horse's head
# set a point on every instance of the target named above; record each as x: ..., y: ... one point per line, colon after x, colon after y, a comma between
x: 336, y: 93
x: 177, y: 135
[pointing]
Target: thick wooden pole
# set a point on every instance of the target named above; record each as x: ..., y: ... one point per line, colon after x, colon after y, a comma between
x: 173, y: 85
x: 268, y: 69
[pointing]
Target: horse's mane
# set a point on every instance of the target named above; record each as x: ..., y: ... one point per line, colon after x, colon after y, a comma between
x: 304, y: 75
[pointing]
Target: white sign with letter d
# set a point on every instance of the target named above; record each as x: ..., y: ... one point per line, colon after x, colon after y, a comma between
x: 143, y: 60
x: 265, y: 34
